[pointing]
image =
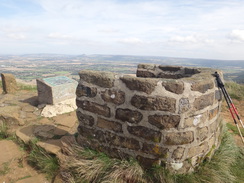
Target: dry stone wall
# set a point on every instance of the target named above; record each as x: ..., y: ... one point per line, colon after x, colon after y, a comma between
x: 165, y: 115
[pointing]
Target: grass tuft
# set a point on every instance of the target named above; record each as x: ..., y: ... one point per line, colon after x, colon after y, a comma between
x: 234, y: 129
x: 42, y: 161
x: 22, y: 86
x: 3, y: 131
x: 235, y: 90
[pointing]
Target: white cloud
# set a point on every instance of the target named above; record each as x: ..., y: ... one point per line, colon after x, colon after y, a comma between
x: 183, y: 39
x: 16, y: 36
x: 237, y: 35
x: 57, y: 35
x: 131, y: 40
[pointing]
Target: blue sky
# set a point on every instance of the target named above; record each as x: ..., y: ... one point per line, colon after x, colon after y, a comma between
x: 211, y: 29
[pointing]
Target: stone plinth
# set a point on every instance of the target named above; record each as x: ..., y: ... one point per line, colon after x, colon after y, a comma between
x: 9, y: 83
x: 55, y: 89
x: 167, y: 115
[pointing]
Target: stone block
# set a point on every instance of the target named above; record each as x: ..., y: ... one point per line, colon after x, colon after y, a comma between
x: 213, y: 113
x: 202, y: 86
x: 146, y: 133
x: 218, y: 95
x: 202, y: 133
x: 9, y: 83
x: 145, y: 74
x: 203, y: 101
x: 109, y: 125
x: 164, y: 121
x: 146, y: 85
x: 196, y: 150
x: 184, y: 105
x: 178, y: 138
x: 113, y: 96
x: 174, y: 86
x: 93, y: 107
x: 85, y: 119
x: 55, y: 89
x: 154, y: 103
x: 99, y: 78
x: 178, y: 153
x: 155, y: 149
x: 86, y: 91
x: 128, y: 115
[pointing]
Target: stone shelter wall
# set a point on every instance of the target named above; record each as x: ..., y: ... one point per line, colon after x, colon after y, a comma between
x: 166, y: 115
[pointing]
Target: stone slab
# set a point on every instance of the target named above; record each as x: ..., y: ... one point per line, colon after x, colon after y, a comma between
x: 55, y: 89
x: 9, y: 83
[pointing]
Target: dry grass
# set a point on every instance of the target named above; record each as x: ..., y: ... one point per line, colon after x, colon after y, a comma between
x: 84, y: 165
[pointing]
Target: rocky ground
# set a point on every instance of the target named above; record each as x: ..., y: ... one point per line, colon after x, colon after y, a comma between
x: 21, y: 114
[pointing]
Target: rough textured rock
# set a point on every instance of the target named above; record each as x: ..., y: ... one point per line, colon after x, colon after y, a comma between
x: 213, y: 113
x: 128, y: 115
x: 113, y: 96
x: 164, y: 121
x: 86, y: 91
x: 109, y: 125
x: 140, y: 84
x: 154, y: 103
x: 184, y: 105
x: 155, y: 150
x: 85, y: 119
x: 178, y: 153
x: 174, y: 86
x: 145, y: 133
x: 203, y: 101
x: 202, y: 133
x: 202, y: 86
x: 102, y: 79
x: 59, y: 108
x: 9, y: 83
x: 178, y: 138
x: 94, y: 107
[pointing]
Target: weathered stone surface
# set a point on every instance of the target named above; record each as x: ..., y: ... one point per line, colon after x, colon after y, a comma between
x: 178, y: 153
x: 213, y: 113
x: 178, y: 138
x: 65, y: 120
x: 55, y: 89
x: 218, y: 95
x: 9, y: 83
x: 99, y: 78
x: 9, y: 151
x: 109, y: 125
x: 169, y: 68
x: 113, y: 96
x: 195, y: 120
x: 123, y: 142
x: 202, y: 133
x: 184, y: 105
x: 154, y: 103
x: 164, y: 121
x: 203, y: 101
x: 155, y: 150
x: 44, y: 131
x: 202, y: 86
x: 94, y: 107
x: 86, y: 91
x: 145, y: 74
x: 146, y: 133
x: 108, y: 138
x: 146, y: 85
x: 213, y: 127
x: 147, y: 163
x: 174, y: 86
x: 25, y: 133
x: 65, y: 106
x: 196, y: 150
x: 128, y: 115
x: 51, y: 146
x: 146, y: 66
x: 85, y: 119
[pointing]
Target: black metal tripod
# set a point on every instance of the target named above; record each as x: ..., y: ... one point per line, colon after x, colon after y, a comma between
x: 230, y: 104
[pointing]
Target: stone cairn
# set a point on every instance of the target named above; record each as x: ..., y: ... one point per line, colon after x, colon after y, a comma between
x: 167, y: 115
x: 9, y: 83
